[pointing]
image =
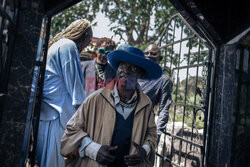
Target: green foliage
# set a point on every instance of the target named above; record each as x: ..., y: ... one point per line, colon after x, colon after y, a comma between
x: 191, y: 96
x: 131, y: 17
x: 84, y: 9
x: 192, y: 117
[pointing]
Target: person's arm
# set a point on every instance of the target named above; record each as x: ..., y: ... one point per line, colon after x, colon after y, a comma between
x: 151, y: 135
x: 89, y: 148
x: 97, y: 152
x: 75, y: 131
x: 72, y: 73
x: 165, y: 100
x: 75, y: 139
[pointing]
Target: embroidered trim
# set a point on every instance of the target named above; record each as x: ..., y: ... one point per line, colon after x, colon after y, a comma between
x: 100, y: 72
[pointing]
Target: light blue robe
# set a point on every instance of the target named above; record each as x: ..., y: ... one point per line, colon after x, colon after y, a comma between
x: 63, y: 90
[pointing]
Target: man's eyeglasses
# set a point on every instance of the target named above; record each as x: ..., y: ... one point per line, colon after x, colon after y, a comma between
x: 151, y: 53
x: 103, y: 51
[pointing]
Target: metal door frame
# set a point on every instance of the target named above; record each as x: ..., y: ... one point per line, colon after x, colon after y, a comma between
x: 8, y: 20
x: 206, y: 87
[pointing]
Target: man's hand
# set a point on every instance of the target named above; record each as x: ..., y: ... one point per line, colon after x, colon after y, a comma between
x: 135, y: 159
x: 103, y: 156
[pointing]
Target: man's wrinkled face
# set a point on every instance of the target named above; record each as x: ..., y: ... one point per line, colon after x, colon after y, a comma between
x: 102, y: 52
x: 152, y: 52
x: 128, y: 74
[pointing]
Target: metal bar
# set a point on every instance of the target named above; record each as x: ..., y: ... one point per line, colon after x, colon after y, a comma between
x: 182, y: 139
x: 3, y: 13
x: 172, y: 46
x: 167, y: 159
x: 195, y: 94
x: 214, y: 56
x: 1, y: 39
x: 190, y: 153
x: 207, y: 36
x: 4, y: 76
x: 188, y: 105
x: 40, y: 95
x: 188, y: 66
x: 178, y: 41
x: 166, y: 51
x: 185, y: 99
x: 206, y: 116
x: 208, y: 39
x: 164, y: 31
x: 38, y: 67
x: 201, y: 51
x: 165, y: 59
x: 4, y: 4
x: 178, y: 15
x: 164, y: 144
x: 194, y: 107
x: 2, y: 25
x: 176, y: 92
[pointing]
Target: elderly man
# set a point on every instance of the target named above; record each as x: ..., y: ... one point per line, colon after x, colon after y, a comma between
x: 159, y: 90
x: 115, y: 125
x: 97, y: 72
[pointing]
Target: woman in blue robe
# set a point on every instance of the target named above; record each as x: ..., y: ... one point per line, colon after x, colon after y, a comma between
x: 63, y: 90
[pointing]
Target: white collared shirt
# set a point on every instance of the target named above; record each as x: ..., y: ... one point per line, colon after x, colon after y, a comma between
x: 124, y: 111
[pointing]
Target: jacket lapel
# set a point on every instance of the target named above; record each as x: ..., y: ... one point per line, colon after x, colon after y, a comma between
x: 143, y: 102
x: 109, y: 116
x: 140, y: 124
x: 106, y: 94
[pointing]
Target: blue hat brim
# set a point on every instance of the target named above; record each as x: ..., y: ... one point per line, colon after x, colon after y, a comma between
x: 153, y: 70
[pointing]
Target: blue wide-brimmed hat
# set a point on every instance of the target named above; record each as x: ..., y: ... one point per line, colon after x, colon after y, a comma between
x: 135, y: 56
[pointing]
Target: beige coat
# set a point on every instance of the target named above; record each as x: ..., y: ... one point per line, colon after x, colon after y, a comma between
x: 96, y: 118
